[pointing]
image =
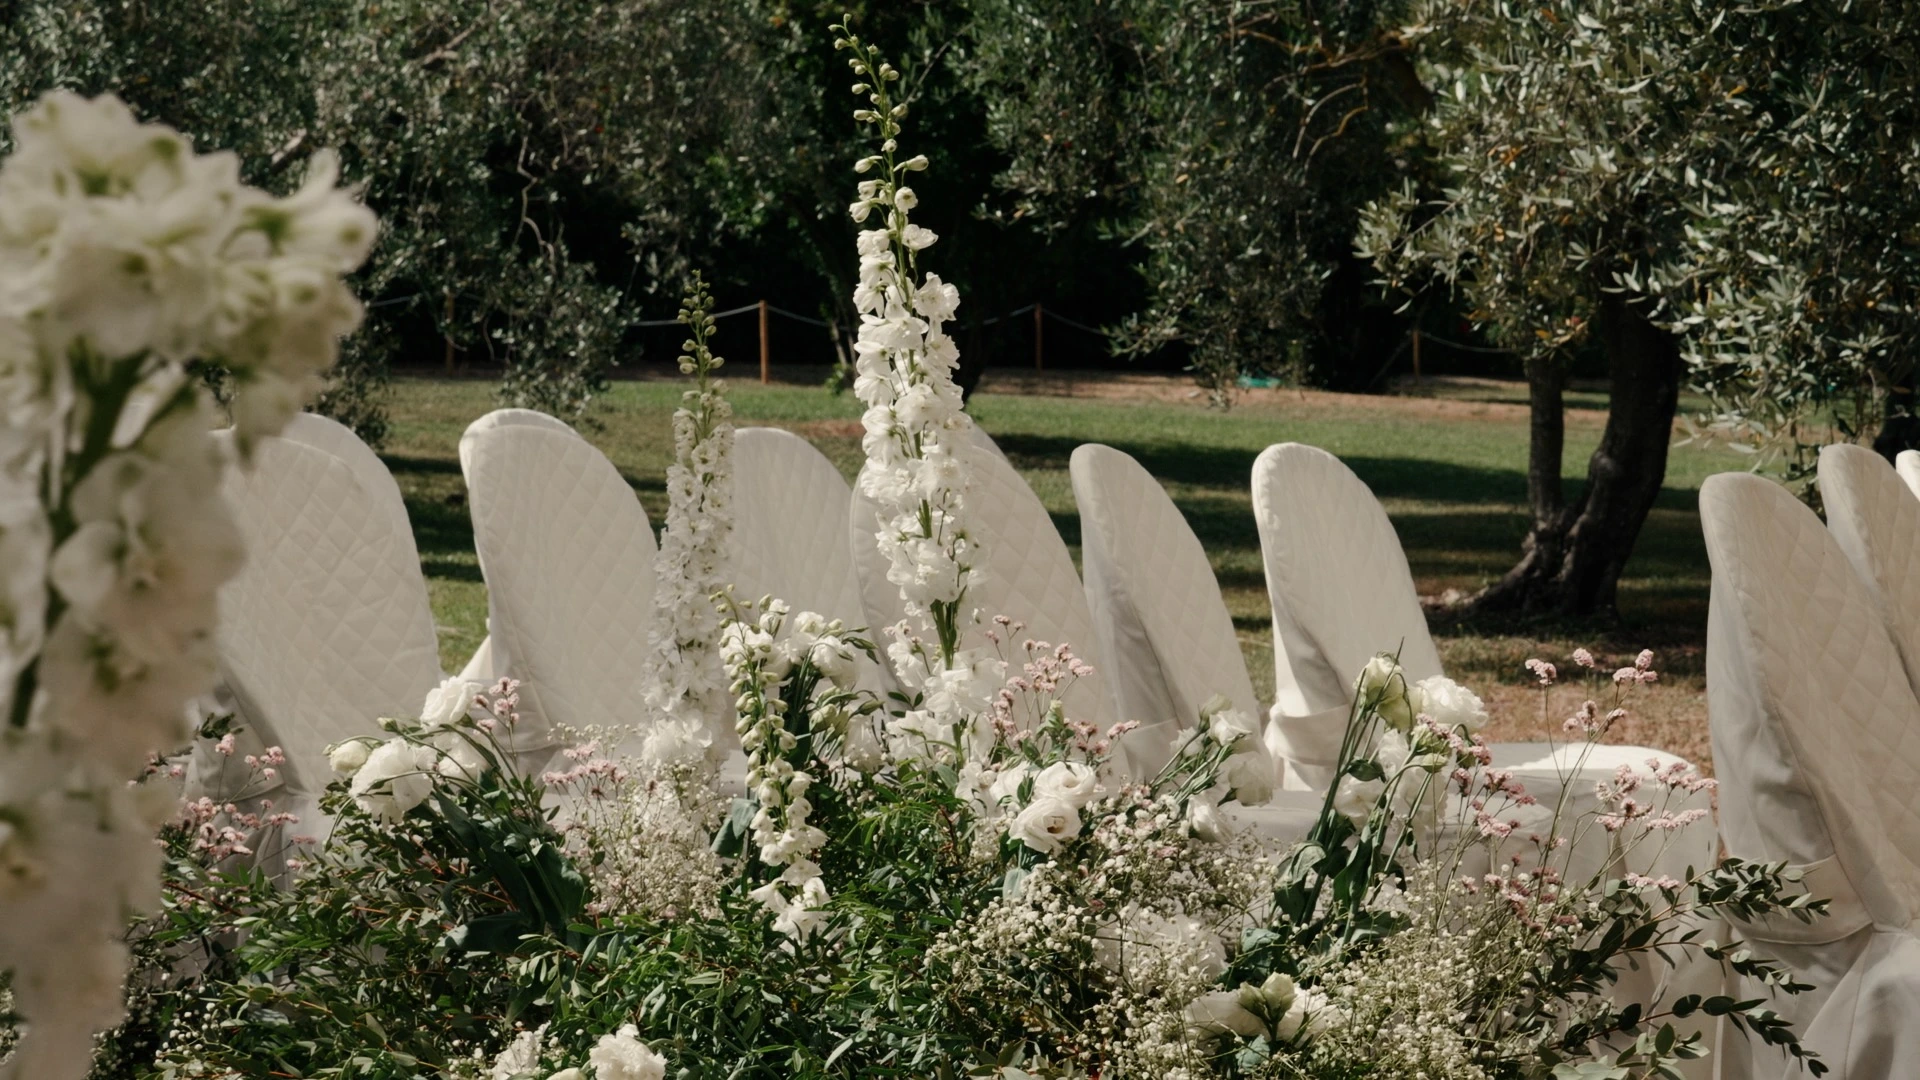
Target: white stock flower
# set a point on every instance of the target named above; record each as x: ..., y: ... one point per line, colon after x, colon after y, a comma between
x: 622, y: 1056
x: 1046, y: 824
x: 449, y: 703
x: 1449, y: 703
x: 1071, y: 782
x: 397, y: 777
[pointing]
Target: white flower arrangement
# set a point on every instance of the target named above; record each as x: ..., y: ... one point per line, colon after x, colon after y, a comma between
x: 686, y: 681
x: 126, y: 258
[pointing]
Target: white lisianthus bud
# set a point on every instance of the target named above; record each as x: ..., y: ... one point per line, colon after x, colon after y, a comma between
x: 916, y: 163
x: 1383, y: 685
x: 347, y: 757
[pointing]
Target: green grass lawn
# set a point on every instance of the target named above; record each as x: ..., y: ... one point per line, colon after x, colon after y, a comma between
x: 1451, y: 475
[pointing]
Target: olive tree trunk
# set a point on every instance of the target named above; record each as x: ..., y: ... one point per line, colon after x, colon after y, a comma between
x: 1575, y: 551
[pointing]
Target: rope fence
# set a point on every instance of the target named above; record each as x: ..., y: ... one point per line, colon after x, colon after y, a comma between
x: 764, y: 309
x: 1040, y: 315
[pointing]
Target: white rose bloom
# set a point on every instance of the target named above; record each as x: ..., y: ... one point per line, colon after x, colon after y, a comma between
x: 1005, y: 788
x: 1046, y: 825
x: 1220, y: 1013
x: 449, y: 703
x: 347, y: 757
x: 1449, y: 703
x: 568, y: 1074
x: 1070, y: 782
x: 622, y: 1056
x: 521, y: 1056
x: 396, y: 778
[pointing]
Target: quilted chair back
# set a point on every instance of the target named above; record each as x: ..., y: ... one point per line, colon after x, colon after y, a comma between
x: 1337, y: 578
x: 1029, y: 575
x: 1156, y: 605
x: 1816, y: 741
x: 1816, y: 733
x: 1876, y: 520
x: 1907, y: 464
x: 327, y: 626
x: 790, y: 510
x: 567, y: 553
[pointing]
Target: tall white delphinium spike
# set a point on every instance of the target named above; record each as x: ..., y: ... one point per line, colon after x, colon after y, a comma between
x: 918, y: 440
x: 687, y: 681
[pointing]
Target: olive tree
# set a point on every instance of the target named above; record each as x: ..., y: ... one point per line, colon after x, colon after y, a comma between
x: 535, y: 166
x: 1670, y: 184
x: 1231, y: 142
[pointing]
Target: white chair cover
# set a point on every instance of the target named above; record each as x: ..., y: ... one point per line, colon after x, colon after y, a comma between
x: 1816, y: 740
x: 1876, y: 521
x: 1341, y: 592
x: 327, y: 626
x: 1907, y: 464
x: 790, y: 510
x: 1029, y: 576
x: 1156, y: 605
x: 567, y: 554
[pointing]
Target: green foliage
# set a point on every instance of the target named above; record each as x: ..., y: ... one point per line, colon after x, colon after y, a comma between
x: 1739, y: 173
x: 505, y: 147
x: 1231, y: 141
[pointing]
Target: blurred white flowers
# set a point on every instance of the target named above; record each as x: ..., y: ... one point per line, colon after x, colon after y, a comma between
x: 622, y: 1056
x: 124, y: 256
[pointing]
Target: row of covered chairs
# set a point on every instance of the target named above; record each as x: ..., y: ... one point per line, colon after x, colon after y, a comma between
x: 321, y: 637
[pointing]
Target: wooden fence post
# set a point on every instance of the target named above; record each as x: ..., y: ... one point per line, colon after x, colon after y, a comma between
x: 1416, y: 355
x: 765, y: 376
